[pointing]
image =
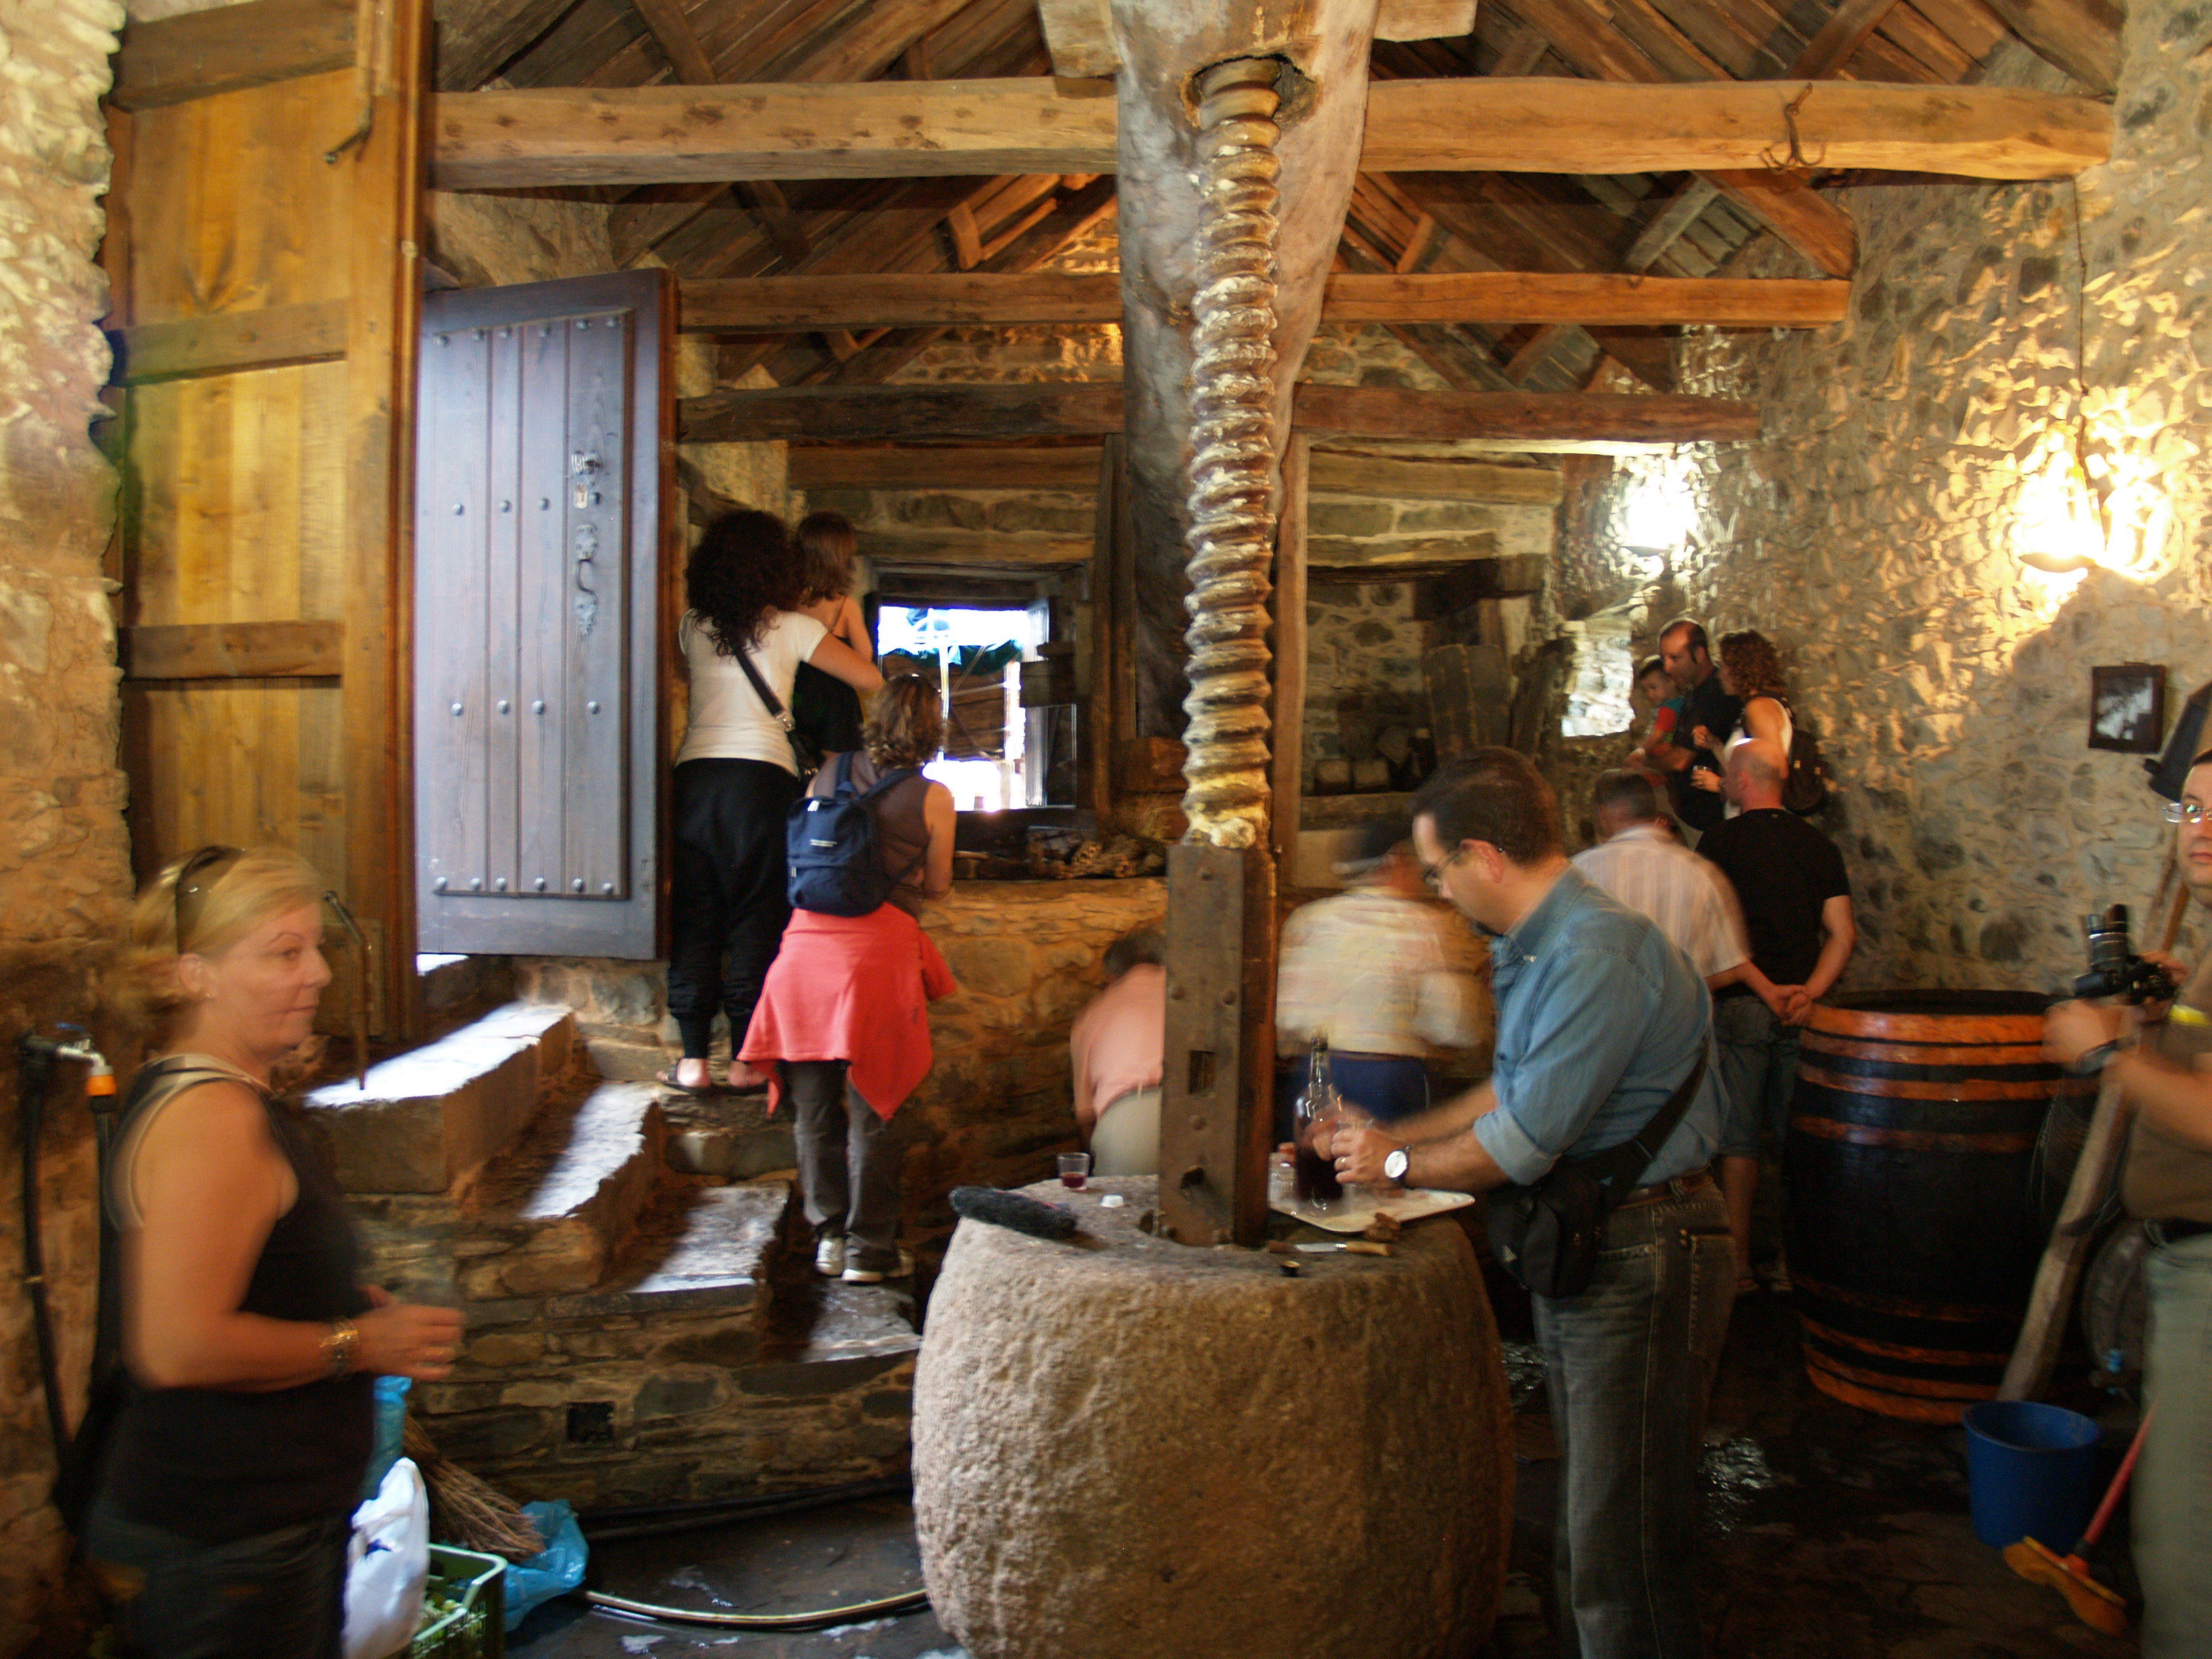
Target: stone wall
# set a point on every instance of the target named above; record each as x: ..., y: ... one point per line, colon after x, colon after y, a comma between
x: 1363, y: 671
x: 1913, y: 455
x: 65, y: 863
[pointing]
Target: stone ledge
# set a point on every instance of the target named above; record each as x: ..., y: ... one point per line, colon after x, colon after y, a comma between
x: 431, y: 1118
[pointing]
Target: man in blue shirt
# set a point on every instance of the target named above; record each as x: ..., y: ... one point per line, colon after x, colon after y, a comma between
x: 1599, y: 1020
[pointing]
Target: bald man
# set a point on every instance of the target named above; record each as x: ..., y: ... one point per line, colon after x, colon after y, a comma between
x: 1797, y: 899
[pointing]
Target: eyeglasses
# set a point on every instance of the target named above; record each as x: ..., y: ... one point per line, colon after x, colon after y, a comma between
x: 1433, y: 874
x: 2185, y: 811
x: 195, y: 878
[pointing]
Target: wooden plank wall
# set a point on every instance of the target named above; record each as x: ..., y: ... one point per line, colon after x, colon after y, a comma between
x: 261, y: 490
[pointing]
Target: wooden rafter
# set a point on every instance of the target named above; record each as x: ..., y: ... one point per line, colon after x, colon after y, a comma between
x: 642, y: 135
x: 971, y: 298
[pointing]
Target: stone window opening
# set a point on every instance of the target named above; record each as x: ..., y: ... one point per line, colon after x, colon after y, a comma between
x: 1600, y: 673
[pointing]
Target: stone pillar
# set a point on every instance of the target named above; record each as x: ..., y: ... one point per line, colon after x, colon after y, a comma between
x: 1125, y: 1448
x: 64, y: 860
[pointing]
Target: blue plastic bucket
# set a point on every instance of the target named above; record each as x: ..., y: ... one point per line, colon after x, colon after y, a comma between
x: 2032, y: 1470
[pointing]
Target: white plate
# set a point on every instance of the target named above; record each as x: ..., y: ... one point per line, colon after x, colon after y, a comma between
x: 1361, y: 1205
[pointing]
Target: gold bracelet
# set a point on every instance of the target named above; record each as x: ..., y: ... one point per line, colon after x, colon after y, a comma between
x: 341, y: 1346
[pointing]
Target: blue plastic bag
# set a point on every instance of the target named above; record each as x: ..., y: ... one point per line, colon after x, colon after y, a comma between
x: 557, y: 1570
x: 390, y: 1432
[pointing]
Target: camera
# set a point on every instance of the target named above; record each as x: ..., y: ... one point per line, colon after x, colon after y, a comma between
x: 2115, y: 970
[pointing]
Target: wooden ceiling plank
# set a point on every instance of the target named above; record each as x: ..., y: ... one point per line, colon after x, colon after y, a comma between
x: 478, y: 38
x: 1663, y: 42
x: 1659, y: 233
x: 590, y: 32
x: 488, y: 140
x: 2082, y: 37
x: 886, y: 414
x: 1532, y: 352
x: 1908, y: 26
x: 1717, y: 30
x: 672, y: 31
x: 1839, y: 39
x: 1970, y: 23
x: 1521, y: 52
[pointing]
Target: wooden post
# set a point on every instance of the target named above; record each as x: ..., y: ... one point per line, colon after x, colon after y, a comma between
x: 1218, y: 899
x: 1287, y: 738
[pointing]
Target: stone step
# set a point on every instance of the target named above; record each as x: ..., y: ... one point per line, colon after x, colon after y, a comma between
x: 730, y: 1136
x: 429, y: 1120
x: 568, y: 1197
x: 682, y: 1377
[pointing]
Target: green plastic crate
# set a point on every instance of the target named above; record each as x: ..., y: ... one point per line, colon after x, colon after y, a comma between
x: 477, y: 1628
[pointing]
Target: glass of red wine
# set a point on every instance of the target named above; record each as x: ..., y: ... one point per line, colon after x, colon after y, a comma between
x: 1074, y: 1170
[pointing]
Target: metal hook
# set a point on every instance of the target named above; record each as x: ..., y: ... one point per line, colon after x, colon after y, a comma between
x: 1796, y: 165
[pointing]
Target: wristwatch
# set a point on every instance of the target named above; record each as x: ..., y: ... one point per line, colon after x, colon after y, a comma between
x: 1394, y: 1164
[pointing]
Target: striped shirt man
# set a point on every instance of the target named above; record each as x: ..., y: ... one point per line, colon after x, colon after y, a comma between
x: 1652, y: 874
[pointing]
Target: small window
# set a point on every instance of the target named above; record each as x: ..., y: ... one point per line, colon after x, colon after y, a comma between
x: 974, y: 657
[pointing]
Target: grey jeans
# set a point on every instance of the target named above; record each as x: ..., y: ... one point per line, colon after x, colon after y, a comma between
x: 1629, y: 1364
x: 2173, y: 1484
x: 848, y: 1161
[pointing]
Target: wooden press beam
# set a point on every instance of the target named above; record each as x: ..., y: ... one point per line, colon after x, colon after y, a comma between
x: 651, y: 135
x: 1075, y: 468
x: 201, y: 54
x: 1597, y: 423
x: 1574, y: 423
x: 970, y: 299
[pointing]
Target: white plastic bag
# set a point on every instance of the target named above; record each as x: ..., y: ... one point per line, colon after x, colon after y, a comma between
x: 388, y: 1564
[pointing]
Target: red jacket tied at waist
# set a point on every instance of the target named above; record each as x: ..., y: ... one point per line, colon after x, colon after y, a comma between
x: 855, y: 988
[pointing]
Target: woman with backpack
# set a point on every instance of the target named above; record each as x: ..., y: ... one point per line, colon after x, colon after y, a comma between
x: 742, y: 639
x: 1751, y: 671
x: 843, y: 1017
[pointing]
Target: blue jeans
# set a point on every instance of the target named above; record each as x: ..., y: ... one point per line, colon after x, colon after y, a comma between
x: 276, y: 1596
x: 1629, y: 1364
x: 2173, y: 1482
x: 1758, y: 1073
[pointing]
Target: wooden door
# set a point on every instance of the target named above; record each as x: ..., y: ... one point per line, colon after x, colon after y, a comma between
x: 540, y: 615
x: 263, y: 222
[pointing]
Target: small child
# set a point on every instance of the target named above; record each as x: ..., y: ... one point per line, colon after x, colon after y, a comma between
x: 1654, y: 687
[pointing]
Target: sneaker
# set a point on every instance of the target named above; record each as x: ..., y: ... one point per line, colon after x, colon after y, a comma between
x: 872, y: 1268
x: 1777, y: 1276
x: 829, y: 1255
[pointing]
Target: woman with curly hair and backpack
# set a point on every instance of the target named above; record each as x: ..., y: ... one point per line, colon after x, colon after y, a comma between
x: 737, y: 775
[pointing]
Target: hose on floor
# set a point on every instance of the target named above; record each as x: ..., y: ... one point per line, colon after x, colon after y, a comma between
x: 655, y: 1521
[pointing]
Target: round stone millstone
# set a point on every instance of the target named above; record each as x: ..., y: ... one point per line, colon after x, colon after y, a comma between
x: 1135, y: 1450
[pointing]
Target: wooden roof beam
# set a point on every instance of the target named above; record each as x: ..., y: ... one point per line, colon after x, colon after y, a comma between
x: 1572, y: 422
x: 1080, y: 32
x: 972, y: 299
x: 645, y: 135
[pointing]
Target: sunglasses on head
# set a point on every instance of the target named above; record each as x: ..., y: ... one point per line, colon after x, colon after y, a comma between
x: 196, y: 878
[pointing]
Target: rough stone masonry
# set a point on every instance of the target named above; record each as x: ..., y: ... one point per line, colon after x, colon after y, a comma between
x: 1912, y: 455
x: 64, y: 862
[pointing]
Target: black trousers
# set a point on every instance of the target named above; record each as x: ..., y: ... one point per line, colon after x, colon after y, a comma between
x: 730, y: 880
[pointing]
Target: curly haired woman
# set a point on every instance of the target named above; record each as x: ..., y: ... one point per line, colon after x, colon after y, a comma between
x: 736, y: 779
x: 1750, y: 669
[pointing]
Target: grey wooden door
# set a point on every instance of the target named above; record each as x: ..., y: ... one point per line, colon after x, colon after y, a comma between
x: 540, y: 500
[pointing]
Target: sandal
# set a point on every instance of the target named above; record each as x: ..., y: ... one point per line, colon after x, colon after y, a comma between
x: 666, y: 1076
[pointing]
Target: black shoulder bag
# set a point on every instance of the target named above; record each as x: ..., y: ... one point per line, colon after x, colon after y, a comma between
x: 804, y: 754
x: 1548, y: 1236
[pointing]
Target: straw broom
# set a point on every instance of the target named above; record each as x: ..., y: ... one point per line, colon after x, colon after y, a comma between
x: 468, y: 1512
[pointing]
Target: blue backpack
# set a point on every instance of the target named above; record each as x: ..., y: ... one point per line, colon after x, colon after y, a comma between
x: 836, y: 859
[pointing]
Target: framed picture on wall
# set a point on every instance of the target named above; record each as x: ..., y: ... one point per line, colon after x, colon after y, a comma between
x: 2127, y: 708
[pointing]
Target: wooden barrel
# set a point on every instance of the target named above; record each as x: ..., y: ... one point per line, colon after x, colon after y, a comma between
x: 1912, y: 1240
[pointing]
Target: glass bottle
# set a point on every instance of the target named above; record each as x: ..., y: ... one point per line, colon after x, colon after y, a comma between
x: 1314, y: 1126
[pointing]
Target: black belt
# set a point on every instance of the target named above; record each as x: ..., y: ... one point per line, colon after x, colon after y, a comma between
x: 2173, y: 1232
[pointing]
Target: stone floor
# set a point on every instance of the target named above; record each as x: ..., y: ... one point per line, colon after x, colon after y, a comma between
x: 1833, y: 1535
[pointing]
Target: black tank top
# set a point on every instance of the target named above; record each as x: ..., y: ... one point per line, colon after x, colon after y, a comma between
x: 216, y: 1464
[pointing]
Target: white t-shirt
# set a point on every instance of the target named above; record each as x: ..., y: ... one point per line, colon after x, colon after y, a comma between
x: 729, y: 721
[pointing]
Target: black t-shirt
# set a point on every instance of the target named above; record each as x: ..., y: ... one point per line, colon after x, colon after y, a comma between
x: 1714, y: 709
x: 1783, y: 871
